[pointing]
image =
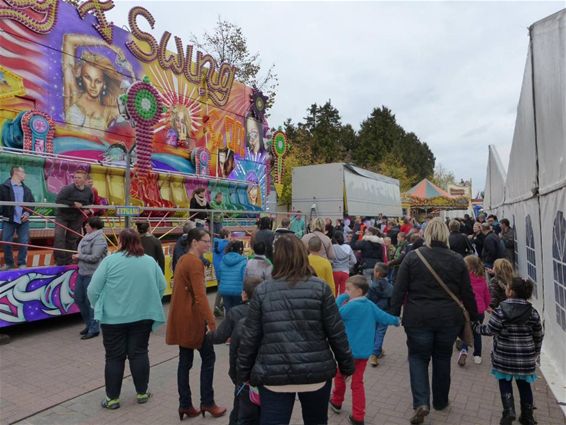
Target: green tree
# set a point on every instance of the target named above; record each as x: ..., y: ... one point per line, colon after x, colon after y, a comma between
x: 443, y: 177
x: 227, y: 43
x: 392, y: 166
x: 415, y: 155
x: 378, y: 134
x: 324, y: 134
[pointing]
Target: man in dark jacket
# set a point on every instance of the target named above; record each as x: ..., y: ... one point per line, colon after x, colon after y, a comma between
x: 151, y: 245
x: 458, y: 241
x: 68, y: 221
x: 491, y: 250
x: 15, y: 219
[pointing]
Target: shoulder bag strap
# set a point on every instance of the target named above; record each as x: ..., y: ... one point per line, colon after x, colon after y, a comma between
x: 442, y: 284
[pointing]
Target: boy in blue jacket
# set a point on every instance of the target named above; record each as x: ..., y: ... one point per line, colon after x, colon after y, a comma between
x: 380, y: 293
x: 360, y: 316
x: 232, y: 269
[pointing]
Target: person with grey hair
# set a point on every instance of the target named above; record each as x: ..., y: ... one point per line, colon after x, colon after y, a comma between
x: 457, y: 241
x: 432, y: 319
x: 317, y: 230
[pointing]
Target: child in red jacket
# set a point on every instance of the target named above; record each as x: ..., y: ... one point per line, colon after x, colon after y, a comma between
x: 481, y: 292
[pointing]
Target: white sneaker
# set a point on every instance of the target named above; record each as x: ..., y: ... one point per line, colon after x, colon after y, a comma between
x: 477, y: 359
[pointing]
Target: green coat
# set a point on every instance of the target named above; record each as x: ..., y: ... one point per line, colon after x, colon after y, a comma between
x: 127, y: 289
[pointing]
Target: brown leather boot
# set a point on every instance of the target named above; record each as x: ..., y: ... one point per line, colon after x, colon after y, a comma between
x: 214, y: 410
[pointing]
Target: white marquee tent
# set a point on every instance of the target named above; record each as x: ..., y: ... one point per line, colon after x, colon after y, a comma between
x: 533, y: 197
x: 494, y: 182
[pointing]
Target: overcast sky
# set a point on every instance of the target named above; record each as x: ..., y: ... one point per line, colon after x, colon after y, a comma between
x: 450, y: 71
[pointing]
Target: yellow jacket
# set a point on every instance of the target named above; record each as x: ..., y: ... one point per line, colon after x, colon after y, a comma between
x: 323, y: 270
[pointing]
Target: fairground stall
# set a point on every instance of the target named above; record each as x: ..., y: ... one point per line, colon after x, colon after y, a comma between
x: 148, y: 125
x: 426, y: 197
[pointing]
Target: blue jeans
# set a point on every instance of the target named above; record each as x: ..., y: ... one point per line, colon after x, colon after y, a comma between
x: 8, y: 230
x: 477, y: 340
x: 424, y: 344
x: 231, y: 301
x: 276, y: 408
x: 378, y: 341
x: 83, y: 303
x: 208, y: 358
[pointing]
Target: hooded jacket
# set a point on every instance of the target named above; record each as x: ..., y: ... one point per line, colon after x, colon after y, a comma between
x: 218, y: 253
x: 517, y: 337
x: 345, y: 258
x: 481, y: 292
x: 371, y: 247
x: 92, y: 250
x: 259, y: 266
x: 232, y: 269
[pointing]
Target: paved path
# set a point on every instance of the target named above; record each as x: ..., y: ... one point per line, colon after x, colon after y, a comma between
x: 49, y: 376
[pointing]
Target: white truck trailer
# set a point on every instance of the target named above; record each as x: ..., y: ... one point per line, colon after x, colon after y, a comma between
x: 338, y: 189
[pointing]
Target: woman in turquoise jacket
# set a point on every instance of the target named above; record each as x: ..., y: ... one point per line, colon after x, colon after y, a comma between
x: 126, y: 291
x: 232, y: 270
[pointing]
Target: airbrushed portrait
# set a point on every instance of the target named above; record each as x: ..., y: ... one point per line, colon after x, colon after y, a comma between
x: 93, y: 75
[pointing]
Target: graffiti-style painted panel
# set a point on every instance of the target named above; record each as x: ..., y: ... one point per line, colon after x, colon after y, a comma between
x: 28, y: 295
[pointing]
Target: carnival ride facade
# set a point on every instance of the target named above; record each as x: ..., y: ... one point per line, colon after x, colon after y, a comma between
x: 79, y: 93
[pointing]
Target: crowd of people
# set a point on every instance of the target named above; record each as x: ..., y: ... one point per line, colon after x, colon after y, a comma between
x: 304, y: 316
x: 306, y: 310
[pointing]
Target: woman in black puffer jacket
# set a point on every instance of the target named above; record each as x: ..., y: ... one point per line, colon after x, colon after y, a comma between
x: 292, y: 338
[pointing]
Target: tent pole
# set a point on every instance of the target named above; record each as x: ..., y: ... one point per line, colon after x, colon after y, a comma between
x: 537, y: 167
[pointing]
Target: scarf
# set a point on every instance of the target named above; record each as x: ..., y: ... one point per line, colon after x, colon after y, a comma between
x: 201, y: 200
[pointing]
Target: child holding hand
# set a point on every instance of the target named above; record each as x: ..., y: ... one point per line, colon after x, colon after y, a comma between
x: 483, y: 299
x: 517, y: 332
x: 360, y: 317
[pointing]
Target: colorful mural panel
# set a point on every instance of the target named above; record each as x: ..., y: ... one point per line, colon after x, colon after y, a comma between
x: 42, y: 293
x: 75, y: 68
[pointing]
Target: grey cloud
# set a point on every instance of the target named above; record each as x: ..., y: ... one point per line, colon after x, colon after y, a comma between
x: 450, y: 71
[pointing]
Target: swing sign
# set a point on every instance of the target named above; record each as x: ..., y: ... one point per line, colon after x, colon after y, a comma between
x: 127, y: 211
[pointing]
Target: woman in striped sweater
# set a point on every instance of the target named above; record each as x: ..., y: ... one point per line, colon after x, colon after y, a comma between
x: 517, y: 339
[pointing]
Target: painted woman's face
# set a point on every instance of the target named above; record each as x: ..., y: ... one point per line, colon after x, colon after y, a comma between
x: 253, y: 136
x: 253, y: 195
x: 93, y: 80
